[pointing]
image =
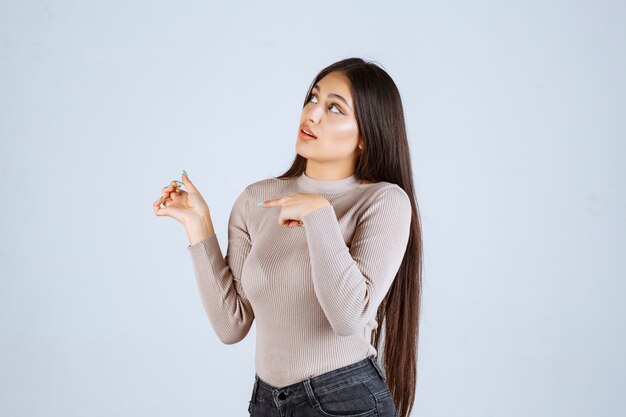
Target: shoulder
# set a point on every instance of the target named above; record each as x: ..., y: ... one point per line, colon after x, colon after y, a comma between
x: 268, y: 182
x: 266, y: 186
x: 261, y: 189
x: 384, y: 191
x: 387, y: 199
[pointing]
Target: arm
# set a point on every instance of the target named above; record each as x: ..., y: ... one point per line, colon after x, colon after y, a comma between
x: 219, y: 278
x: 350, y: 283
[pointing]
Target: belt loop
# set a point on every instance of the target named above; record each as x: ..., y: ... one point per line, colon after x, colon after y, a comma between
x: 377, y: 367
x: 254, y: 388
x: 310, y: 394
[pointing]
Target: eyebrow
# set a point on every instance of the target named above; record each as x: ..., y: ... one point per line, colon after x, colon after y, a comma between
x: 334, y: 95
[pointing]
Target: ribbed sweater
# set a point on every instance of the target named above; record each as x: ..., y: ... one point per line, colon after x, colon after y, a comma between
x: 313, y: 289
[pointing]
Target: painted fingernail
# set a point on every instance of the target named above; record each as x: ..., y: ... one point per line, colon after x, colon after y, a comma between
x: 185, y: 172
x: 180, y: 183
x: 260, y: 203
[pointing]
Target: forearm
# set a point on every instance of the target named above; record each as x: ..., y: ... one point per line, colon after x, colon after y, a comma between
x: 341, y: 289
x: 350, y: 282
x: 221, y: 293
x: 219, y: 277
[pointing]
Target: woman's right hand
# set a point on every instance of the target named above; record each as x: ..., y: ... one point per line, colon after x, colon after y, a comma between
x: 184, y: 206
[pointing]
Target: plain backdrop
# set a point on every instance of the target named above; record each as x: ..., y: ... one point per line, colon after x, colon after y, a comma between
x: 515, y: 115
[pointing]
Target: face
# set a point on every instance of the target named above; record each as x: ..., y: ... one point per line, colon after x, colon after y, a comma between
x: 329, y: 115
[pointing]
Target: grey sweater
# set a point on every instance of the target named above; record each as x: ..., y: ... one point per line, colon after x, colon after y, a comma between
x: 313, y: 289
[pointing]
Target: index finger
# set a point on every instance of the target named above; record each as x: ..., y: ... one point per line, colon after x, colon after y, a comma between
x: 276, y: 202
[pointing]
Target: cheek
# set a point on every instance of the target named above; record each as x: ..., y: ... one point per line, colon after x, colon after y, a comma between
x: 344, y: 131
x: 344, y: 136
x: 340, y: 143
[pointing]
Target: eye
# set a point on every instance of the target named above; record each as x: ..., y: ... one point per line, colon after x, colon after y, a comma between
x: 335, y: 106
x: 332, y: 105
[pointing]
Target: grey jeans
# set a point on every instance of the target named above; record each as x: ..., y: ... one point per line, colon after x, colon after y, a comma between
x: 356, y: 390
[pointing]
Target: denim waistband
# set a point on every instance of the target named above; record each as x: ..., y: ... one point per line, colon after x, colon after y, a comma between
x: 321, y: 384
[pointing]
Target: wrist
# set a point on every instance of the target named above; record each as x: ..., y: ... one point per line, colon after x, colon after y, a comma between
x: 318, y: 205
x: 199, y: 229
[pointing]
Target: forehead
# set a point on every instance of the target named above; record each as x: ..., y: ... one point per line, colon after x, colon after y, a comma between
x: 336, y: 83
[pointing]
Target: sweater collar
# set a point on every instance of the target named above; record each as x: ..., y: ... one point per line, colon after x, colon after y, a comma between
x: 310, y: 184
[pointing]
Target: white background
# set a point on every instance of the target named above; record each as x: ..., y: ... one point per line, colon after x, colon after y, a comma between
x: 515, y: 114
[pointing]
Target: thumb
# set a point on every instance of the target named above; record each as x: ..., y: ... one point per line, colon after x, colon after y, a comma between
x: 188, y: 184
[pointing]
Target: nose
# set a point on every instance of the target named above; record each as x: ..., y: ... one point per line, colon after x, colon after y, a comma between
x: 314, y: 112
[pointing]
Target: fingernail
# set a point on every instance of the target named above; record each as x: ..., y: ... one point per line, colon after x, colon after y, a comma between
x: 180, y: 182
x: 185, y: 172
x: 260, y: 203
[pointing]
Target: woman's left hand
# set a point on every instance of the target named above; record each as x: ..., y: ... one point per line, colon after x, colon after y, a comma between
x: 294, y: 206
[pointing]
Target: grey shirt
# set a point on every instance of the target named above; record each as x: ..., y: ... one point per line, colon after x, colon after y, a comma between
x: 314, y: 289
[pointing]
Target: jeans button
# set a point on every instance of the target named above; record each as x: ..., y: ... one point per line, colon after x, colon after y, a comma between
x: 282, y: 396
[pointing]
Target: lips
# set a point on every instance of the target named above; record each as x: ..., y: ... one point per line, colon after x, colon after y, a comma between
x: 308, y: 131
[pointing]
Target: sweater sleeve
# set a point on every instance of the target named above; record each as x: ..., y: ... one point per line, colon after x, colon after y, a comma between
x: 350, y: 283
x: 219, y: 278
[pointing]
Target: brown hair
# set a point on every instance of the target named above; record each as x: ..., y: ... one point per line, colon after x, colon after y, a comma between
x: 379, y: 115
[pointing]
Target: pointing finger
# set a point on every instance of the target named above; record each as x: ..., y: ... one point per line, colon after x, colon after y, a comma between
x: 270, y: 203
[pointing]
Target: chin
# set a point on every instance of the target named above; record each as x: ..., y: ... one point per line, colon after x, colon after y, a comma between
x: 303, y: 153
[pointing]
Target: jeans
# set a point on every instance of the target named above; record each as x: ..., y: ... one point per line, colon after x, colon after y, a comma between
x: 356, y: 390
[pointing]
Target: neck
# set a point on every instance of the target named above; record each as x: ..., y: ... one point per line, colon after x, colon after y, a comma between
x: 328, y: 173
x: 327, y: 186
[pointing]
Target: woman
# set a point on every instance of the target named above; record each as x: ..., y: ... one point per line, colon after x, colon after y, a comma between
x: 320, y: 256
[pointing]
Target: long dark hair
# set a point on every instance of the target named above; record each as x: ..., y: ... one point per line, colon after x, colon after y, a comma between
x: 386, y: 157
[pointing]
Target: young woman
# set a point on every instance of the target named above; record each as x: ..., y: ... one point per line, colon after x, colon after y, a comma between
x: 322, y: 256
